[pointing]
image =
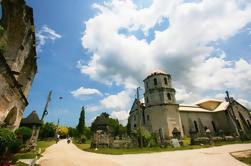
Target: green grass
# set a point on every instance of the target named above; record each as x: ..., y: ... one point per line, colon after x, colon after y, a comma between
x: 32, y: 154
x: 86, y: 147
x: 246, y: 160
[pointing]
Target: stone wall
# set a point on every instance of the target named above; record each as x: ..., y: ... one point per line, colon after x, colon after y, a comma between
x: 165, y: 118
x: 17, y: 61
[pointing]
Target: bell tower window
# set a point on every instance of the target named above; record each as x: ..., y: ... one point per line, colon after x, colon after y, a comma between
x: 169, y: 96
x: 165, y: 80
x: 155, y: 81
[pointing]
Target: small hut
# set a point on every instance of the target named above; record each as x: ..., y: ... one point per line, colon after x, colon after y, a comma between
x: 32, y: 121
x: 101, y: 132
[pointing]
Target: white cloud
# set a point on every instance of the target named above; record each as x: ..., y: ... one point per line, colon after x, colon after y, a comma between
x: 246, y: 103
x: 93, y: 108
x: 44, y: 35
x: 218, y: 74
x: 117, y: 102
x: 183, y: 49
x: 121, y: 116
x: 83, y: 93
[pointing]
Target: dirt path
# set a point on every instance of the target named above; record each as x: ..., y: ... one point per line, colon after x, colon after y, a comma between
x: 63, y: 154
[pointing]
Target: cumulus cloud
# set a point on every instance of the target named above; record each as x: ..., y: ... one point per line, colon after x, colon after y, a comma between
x: 122, y: 116
x: 44, y: 35
x: 184, y: 48
x: 84, y: 93
x: 116, y: 104
x: 93, y: 108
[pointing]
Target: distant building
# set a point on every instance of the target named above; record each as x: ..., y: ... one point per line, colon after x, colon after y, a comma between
x: 161, y: 114
x: 17, y: 60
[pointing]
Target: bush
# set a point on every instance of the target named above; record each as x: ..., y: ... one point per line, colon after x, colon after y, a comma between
x: 8, y: 142
x: 9, y: 145
x: 24, y: 133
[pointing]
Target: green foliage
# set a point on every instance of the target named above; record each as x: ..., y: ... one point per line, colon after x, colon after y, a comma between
x: 47, y: 130
x: 72, y: 132
x: 128, y: 127
x: 81, y: 123
x: 8, y: 142
x: 87, y: 132
x: 148, y: 139
x: 24, y: 133
x: 63, y: 131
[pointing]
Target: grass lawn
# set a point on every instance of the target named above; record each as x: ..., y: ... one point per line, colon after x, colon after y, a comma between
x: 32, y: 154
x: 86, y: 147
x: 243, y: 156
x: 246, y: 160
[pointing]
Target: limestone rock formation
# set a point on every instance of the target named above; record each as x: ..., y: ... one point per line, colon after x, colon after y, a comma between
x: 17, y: 60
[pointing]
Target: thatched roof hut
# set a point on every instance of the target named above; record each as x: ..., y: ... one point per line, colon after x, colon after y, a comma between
x: 31, y: 120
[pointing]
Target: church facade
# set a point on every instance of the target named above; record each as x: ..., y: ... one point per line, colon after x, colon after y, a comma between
x: 162, y: 114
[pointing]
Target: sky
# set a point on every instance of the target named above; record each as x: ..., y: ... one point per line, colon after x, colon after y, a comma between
x: 95, y: 53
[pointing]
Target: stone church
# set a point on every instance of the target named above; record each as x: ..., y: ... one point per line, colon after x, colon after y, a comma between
x: 17, y: 60
x: 162, y: 114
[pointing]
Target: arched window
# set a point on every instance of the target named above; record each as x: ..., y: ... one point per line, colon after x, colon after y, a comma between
x: 196, y: 126
x: 146, y: 84
x: 165, y: 80
x: 155, y: 81
x: 169, y: 96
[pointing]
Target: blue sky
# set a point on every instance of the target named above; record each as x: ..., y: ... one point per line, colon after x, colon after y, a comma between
x: 95, y: 54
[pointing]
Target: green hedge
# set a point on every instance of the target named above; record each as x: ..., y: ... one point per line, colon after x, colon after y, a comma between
x: 8, y: 142
x: 24, y: 133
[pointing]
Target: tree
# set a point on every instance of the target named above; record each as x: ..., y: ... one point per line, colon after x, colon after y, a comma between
x: 81, y: 123
x: 63, y: 131
x: 24, y: 133
x: 47, y: 130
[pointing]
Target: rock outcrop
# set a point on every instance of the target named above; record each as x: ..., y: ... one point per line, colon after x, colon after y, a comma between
x: 17, y: 60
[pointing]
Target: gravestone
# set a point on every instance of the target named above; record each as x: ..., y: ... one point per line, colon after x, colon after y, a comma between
x: 175, y: 143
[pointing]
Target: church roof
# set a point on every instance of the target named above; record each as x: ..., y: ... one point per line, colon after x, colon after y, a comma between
x: 205, y: 105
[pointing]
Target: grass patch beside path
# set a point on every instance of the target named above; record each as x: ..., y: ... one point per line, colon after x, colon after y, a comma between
x: 32, y: 154
x: 243, y: 156
x: 86, y: 147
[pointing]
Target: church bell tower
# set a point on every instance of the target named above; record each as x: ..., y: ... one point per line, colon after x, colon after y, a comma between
x: 158, y: 89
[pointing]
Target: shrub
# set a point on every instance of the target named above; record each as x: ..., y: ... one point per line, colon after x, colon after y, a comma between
x: 8, y: 142
x: 24, y: 133
x: 9, y: 145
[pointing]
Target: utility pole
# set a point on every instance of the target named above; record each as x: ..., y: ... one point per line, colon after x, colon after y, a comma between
x: 139, y: 118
